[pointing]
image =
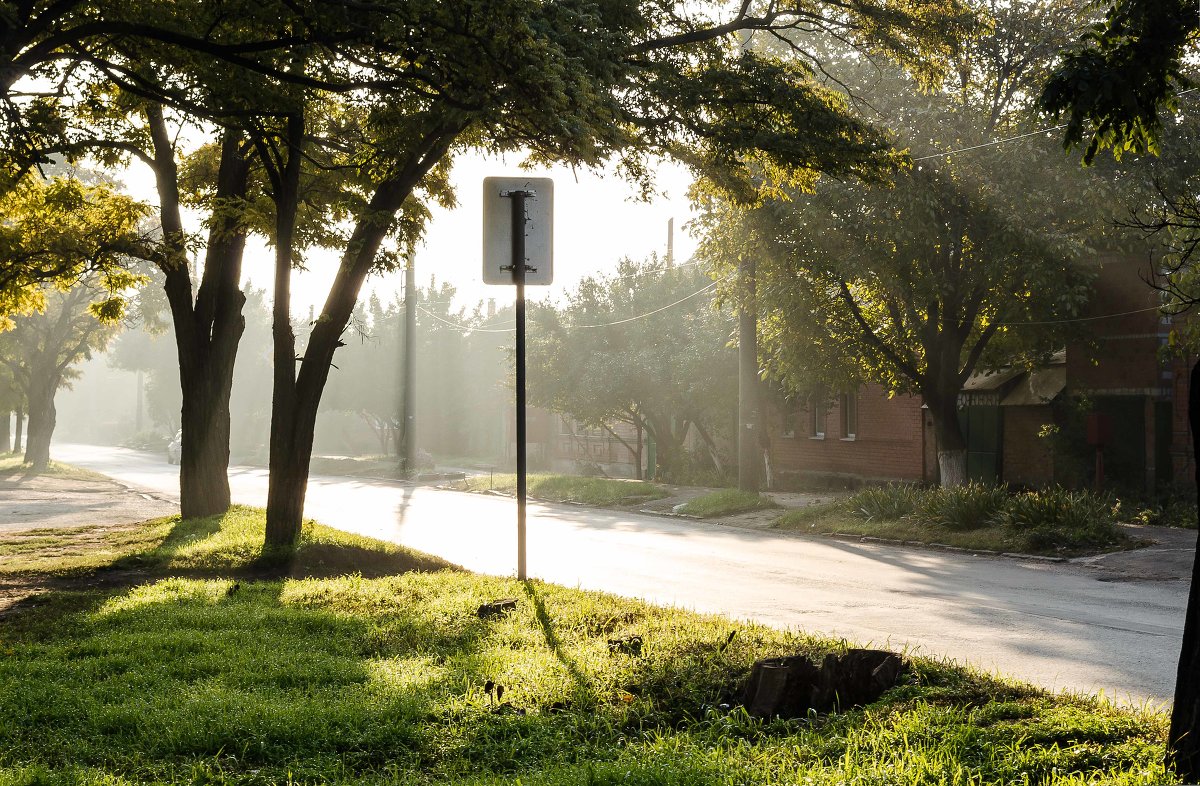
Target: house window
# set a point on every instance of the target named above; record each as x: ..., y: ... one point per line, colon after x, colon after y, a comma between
x: 849, y: 408
x: 787, y: 423
x: 816, y: 413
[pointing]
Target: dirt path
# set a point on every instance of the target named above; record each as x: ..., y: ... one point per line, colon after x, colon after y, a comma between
x: 78, y: 510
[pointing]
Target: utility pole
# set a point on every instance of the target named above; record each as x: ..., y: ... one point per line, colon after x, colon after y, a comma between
x: 749, y: 423
x: 137, y: 419
x: 408, y: 412
x: 670, y: 243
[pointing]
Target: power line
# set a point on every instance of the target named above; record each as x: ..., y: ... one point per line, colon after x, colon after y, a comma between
x: 1083, y: 319
x: 992, y: 143
x: 468, y: 328
x: 1005, y: 140
x: 464, y: 328
x: 657, y: 310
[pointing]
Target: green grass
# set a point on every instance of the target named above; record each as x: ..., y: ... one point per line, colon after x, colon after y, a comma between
x: 727, y: 502
x: 354, y: 680
x: 228, y: 544
x: 364, y: 466
x: 76, y: 550
x: 13, y: 465
x: 572, y: 488
x: 1053, y: 522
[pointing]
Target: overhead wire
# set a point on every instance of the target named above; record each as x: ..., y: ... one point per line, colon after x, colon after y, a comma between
x: 1084, y: 319
x: 1005, y: 140
x: 992, y: 143
x: 685, y: 298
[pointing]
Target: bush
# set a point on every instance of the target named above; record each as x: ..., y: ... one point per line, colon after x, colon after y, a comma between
x: 887, y: 503
x: 962, y: 508
x: 1060, y: 517
x: 147, y: 440
x: 1173, y: 508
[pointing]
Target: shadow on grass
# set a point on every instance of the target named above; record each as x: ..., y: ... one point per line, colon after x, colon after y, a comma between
x: 370, y: 681
x: 326, y: 560
x: 583, y: 683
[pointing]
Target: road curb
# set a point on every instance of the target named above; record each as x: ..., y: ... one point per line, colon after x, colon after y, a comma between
x: 839, y: 535
x: 939, y: 547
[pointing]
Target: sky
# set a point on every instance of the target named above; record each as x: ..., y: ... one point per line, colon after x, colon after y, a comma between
x: 597, y: 221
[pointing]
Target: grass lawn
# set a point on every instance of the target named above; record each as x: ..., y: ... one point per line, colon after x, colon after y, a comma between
x: 841, y: 517
x: 14, y: 466
x: 835, y: 518
x: 727, y: 502
x: 229, y: 545
x: 344, y: 679
x: 365, y: 466
x: 573, y: 488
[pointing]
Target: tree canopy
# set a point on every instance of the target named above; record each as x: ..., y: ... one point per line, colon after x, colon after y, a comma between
x: 642, y: 346
x: 56, y: 231
x: 966, y: 261
x: 1115, y: 86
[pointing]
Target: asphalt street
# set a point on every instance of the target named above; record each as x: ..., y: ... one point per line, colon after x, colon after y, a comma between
x: 1055, y: 625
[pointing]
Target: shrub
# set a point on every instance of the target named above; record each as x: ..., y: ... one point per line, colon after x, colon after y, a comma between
x: 1173, y: 508
x: 1059, y: 517
x: 961, y: 508
x: 887, y: 503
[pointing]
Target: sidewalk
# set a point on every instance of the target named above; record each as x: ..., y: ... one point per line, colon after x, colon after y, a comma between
x: 46, y: 502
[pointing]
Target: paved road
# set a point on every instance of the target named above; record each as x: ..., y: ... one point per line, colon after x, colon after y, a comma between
x: 1054, y: 625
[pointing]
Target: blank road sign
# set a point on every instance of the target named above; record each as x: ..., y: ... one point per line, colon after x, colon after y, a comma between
x: 497, y: 229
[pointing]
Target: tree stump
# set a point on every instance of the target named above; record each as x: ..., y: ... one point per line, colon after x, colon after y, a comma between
x: 793, y: 686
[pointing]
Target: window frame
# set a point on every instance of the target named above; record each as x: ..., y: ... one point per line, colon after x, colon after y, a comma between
x: 848, y: 405
x: 817, y: 419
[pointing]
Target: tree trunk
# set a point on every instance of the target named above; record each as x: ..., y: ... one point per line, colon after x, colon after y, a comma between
x: 951, y: 444
x: 204, y: 454
x: 1183, y: 740
x: 291, y: 429
x: 18, y: 434
x: 713, y: 453
x: 297, y: 394
x: 668, y: 448
x: 641, y: 473
x: 749, y: 420
x: 5, y: 432
x: 42, y: 418
x: 208, y: 330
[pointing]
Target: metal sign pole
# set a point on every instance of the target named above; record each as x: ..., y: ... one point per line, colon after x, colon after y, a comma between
x: 518, y: 248
x: 518, y: 270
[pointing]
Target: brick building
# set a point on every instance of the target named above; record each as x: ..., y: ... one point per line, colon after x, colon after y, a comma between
x: 1115, y: 368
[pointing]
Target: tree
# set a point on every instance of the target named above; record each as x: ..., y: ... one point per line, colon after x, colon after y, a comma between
x: 963, y: 263
x: 1114, y: 87
x: 10, y: 403
x: 228, y: 64
x: 55, y: 232
x: 367, y: 378
x: 642, y: 346
x: 566, y: 82
x: 40, y: 352
x: 46, y: 44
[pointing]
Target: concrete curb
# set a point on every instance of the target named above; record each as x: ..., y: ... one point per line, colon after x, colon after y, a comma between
x: 839, y: 535
x: 940, y: 547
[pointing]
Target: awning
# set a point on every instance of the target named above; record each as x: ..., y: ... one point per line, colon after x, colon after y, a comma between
x: 990, y: 380
x: 1038, y: 388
